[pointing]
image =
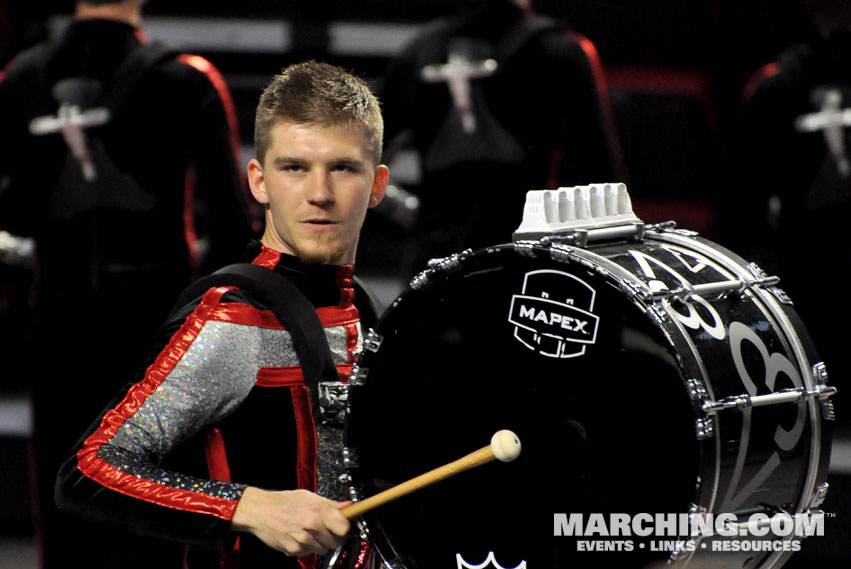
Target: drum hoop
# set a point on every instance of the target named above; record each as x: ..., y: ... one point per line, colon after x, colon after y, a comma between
x: 772, y: 306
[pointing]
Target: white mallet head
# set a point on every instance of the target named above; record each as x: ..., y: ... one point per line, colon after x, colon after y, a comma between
x: 505, y: 445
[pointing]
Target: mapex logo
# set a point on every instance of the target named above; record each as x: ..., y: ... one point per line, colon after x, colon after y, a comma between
x: 553, y: 314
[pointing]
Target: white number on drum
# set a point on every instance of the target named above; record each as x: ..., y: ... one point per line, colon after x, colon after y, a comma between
x: 774, y: 365
x: 693, y: 319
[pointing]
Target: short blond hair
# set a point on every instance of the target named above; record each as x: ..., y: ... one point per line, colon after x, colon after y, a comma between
x: 321, y: 94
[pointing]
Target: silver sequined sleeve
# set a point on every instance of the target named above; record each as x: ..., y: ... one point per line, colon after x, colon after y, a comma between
x: 209, y: 381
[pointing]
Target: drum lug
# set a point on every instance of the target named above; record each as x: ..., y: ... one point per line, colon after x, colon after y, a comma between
x: 657, y: 312
x: 421, y: 281
x: 526, y: 248
x: 819, y: 495
x: 451, y: 263
x: 350, y: 458
x: 704, y: 428
x: 697, y: 390
x: 824, y: 391
x: 634, y: 290
x: 373, y: 341
x: 561, y: 253
x: 762, y: 278
x: 756, y: 271
x: 448, y: 264
x: 358, y: 375
x: 363, y: 529
x: 781, y: 296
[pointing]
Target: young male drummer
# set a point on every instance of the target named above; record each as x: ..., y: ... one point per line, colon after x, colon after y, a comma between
x: 215, y: 444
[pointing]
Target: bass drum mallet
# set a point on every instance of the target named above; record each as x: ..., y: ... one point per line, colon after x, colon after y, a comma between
x: 505, y: 447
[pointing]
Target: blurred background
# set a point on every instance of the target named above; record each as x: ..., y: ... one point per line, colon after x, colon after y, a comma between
x: 676, y: 72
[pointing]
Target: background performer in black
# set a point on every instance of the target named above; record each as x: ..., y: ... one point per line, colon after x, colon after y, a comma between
x: 114, y: 219
x: 496, y: 101
x: 794, y: 176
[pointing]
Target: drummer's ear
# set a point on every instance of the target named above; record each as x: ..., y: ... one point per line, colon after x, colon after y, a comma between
x: 257, y: 182
x: 379, y: 185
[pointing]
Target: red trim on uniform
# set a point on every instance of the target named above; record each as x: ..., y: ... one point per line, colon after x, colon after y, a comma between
x: 267, y: 257
x: 189, y: 233
x: 691, y: 84
x: 333, y: 316
x: 217, y: 465
x: 306, y: 432
x: 553, y: 168
x: 5, y: 69
x: 765, y: 72
x: 602, y: 90
x: 345, y: 281
x: 217, y: 457
x: 219, y: 83
x: 351, y: 340
x: 306, y: 461
x: 658, y: 80
x: 347, y: 297
x: 110, y: 477
x: 306, y: 438
x: 292, y: 376
x: 237, y: 313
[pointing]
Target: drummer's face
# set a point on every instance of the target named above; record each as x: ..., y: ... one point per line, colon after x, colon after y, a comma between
x: 316, y: 183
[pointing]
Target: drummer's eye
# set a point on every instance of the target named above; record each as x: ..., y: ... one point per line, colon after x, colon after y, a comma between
x: 347, y: 166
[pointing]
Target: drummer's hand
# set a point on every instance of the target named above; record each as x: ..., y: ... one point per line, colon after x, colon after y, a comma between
x: 296, y: 522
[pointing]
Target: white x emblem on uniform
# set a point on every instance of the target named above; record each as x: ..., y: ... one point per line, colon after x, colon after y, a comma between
x: 457, y: 74
x: 832, y: 119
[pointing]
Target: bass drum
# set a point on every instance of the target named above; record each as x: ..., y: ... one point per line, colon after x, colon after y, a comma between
x: 652, y: 376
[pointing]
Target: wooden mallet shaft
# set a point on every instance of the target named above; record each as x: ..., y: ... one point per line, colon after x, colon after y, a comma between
x: 504, y: 446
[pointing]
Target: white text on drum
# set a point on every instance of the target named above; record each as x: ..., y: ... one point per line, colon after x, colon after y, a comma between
x: 551, y: 318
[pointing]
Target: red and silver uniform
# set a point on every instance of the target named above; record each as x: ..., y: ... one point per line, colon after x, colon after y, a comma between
x: 222, y: 405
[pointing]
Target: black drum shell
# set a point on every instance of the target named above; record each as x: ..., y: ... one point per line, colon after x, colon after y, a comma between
x: 604, y: 384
